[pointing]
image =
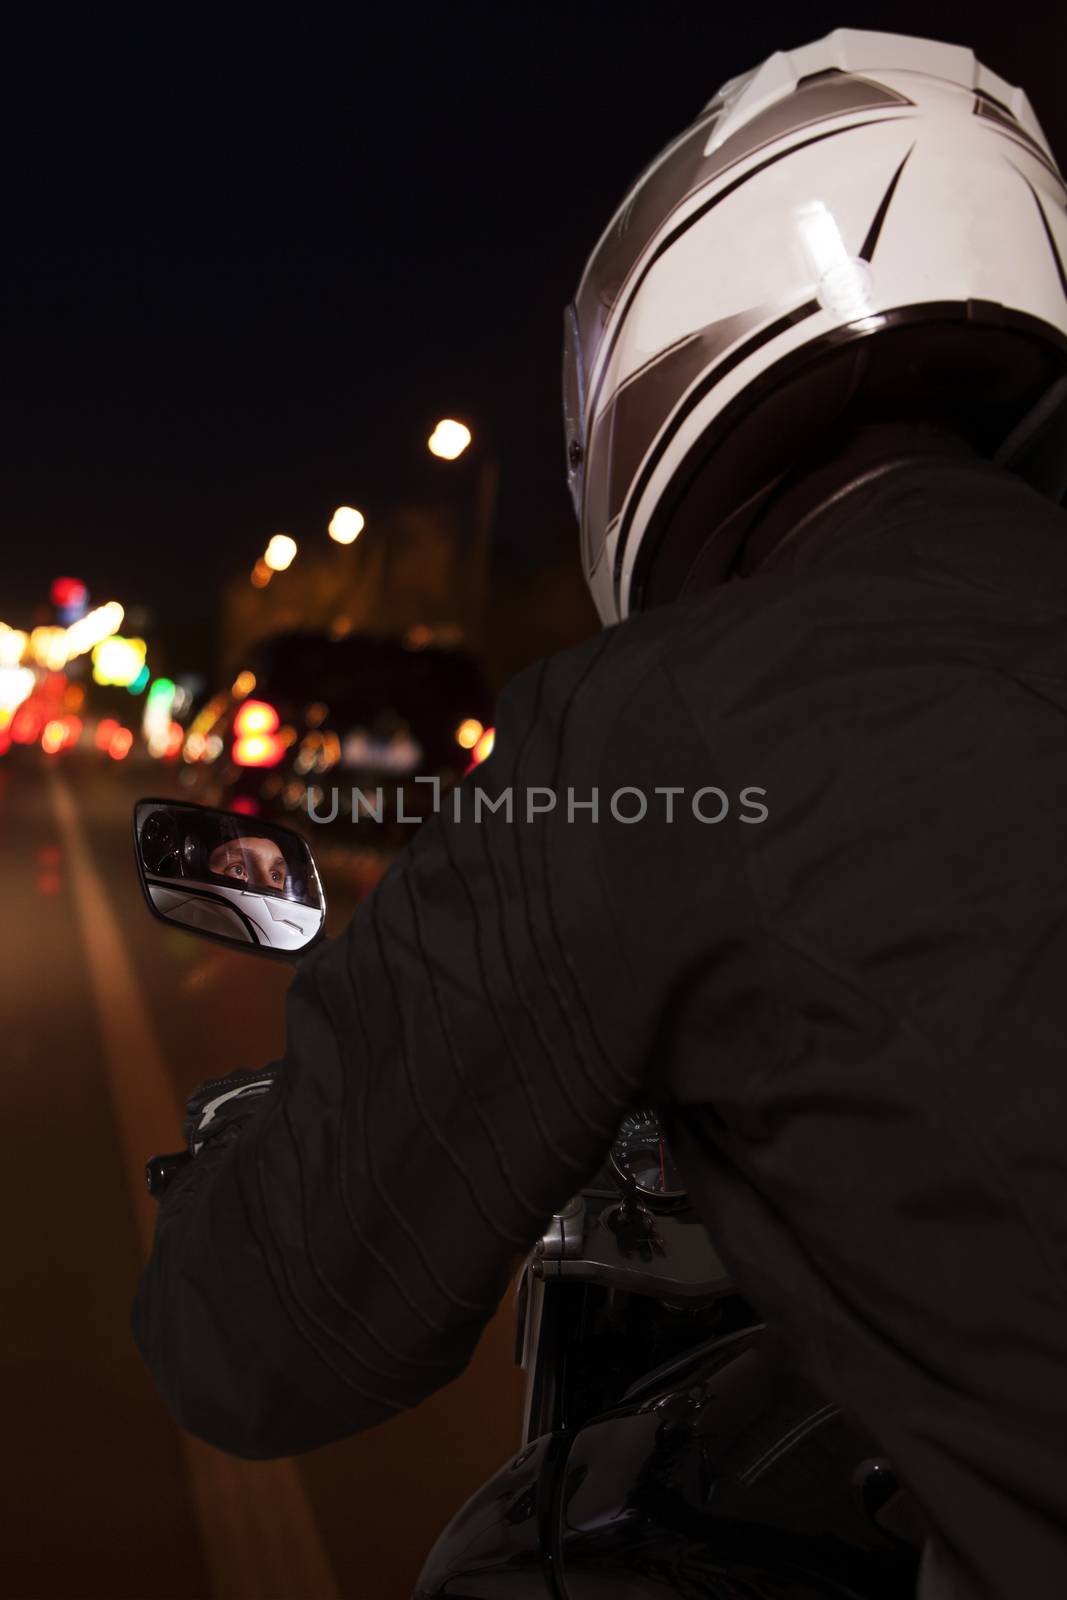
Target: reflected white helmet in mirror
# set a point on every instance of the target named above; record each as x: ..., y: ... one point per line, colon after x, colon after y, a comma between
x: 872, y: 224
x: 242, y: 915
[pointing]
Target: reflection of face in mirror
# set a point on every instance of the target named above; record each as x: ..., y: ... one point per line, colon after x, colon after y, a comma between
x: 250, y: 883
x: 253, y: 860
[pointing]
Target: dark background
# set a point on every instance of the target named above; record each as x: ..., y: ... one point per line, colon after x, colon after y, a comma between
x: 249, y: 262
x: 245, y: 266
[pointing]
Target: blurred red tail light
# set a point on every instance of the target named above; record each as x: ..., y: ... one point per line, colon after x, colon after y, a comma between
x: 255, y: 740
x: 254, y: 718
x: 26, y: 725
x: 258, y: 750
x: 53, y: 737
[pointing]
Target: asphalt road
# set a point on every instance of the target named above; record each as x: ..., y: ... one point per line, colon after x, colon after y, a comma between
x: 108, y: 1020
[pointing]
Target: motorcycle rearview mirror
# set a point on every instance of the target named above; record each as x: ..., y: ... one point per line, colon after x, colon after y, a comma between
x: 228, y: 877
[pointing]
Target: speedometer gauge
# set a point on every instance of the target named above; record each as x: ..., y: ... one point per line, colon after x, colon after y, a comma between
x: 641, y: 1154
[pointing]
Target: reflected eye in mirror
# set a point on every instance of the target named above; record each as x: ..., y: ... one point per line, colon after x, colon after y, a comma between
x: 251, y: 858
x: 221, y: 875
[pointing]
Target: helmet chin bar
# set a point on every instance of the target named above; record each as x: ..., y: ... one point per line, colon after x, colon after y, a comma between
x: 992, y: 378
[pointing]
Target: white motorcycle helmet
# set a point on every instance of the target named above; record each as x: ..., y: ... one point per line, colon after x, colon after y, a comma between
x: 245, y: 916
x: 872, y: 225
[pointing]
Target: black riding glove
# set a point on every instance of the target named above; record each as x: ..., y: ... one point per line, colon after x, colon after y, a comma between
x: 213, y: 1112
x: 222, y: 1103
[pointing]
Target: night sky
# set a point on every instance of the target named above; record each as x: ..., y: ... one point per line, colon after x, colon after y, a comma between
x: 247, y: 264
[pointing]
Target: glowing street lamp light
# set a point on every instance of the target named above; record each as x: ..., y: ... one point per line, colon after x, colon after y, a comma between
x: 346, y: 524
x: 279, y: 552
x: 13, y: 645
x: 50, y: 647
x: 54, y: 647
x: 118, y: 661
x: 16, y: 685
x: 449, y: 439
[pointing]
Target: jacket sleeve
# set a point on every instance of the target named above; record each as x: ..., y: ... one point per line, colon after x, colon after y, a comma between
x: 457, y: 1063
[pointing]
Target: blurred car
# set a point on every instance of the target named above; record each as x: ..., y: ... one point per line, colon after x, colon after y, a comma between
x: 337, y: 730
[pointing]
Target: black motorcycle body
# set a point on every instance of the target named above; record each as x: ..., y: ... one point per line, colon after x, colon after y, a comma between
x: 671, y: 1447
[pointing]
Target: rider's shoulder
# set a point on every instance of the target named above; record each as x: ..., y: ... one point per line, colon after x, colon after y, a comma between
x: 650, y: 638
x: 615, y: 662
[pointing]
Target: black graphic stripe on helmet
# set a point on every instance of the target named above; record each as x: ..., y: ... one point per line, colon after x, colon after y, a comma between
x: 695, y: 217
x: 999, y: 115
x: 665, y: 184
x: 985, y: 105
x: 643, y: 402
x: 692, y: 400
x: 1049, y: 235
x: 867, y: 247
x: 679, y: 172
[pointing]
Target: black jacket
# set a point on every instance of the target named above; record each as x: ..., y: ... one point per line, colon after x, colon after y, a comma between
x: 854, y: 1013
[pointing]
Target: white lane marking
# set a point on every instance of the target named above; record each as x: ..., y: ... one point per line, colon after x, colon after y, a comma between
x: 260, y: 1539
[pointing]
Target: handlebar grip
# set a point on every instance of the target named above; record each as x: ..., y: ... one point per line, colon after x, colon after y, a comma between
x: 162, y: 1170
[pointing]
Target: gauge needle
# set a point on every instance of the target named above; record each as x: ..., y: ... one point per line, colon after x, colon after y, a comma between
x: 662, y: 1172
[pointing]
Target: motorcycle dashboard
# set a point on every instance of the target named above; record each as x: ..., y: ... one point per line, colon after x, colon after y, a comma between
x: 641, y: 1159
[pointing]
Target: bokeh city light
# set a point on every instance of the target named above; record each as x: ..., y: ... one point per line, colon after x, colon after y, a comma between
x: 280, y: 552
x: 346, y: 525
x: 449, y: 439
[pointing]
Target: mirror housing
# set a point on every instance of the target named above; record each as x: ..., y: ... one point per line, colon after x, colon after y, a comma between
x: 248, y: 884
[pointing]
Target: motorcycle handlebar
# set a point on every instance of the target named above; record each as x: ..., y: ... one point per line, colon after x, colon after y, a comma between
x: 162, y: 1170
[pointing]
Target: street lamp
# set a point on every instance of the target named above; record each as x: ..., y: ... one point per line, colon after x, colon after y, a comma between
x: 280, y: 552
x: 13, y: 644
x: 346, y: 525
x: 449, y: 439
